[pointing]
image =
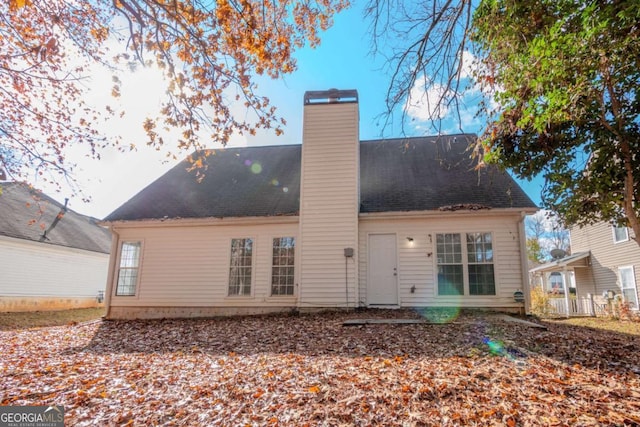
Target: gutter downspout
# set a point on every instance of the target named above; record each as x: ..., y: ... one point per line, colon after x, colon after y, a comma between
x: 115, y: 243
x: 524, y: 264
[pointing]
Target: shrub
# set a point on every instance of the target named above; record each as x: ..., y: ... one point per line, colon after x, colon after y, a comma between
x: 540, y: 305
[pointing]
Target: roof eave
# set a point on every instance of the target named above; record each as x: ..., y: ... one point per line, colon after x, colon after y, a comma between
x: 447, y: 213
x: 561, y: 263
x: 194, y: 222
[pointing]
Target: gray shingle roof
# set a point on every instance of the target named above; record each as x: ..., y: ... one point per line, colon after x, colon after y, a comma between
x: 26, y: 213
x: 396, y: 175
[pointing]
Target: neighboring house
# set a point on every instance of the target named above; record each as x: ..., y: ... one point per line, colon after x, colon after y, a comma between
x: 605, y: 258
x: 332, y: 223
x: 51, y: 257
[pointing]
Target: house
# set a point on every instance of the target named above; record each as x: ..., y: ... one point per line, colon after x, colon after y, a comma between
x: 51, y: 258
x: 332, y: 223
x: 605, y: 263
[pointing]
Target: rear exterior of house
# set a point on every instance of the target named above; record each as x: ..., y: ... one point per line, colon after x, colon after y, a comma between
x: 614, y: 261
x: 51, y: 258
x: 332, y: 223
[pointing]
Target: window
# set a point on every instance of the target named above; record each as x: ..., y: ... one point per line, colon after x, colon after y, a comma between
x: 467, y: 266
x: 450, y: 276
x: 556, y: 282
x: 282, y: 270
x: 628, y: 285
x: 620, y: 234
x: 480, y: 258
x: 240, y: 267
x: 128, y: 270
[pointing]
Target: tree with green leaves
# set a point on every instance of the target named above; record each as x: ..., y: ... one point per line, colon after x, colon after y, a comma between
x: 566, y: 76
x: 561, y: 77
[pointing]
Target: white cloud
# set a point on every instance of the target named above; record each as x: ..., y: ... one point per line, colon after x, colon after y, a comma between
x: 428, y: 101
x: 469, y: 61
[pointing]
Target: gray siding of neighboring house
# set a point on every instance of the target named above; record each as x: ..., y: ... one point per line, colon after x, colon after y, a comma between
x: 606, y: 256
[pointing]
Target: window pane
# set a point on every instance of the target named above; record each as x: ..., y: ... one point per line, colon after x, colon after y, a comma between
x: 628, y: 285
x: 480, y: 259
x: 282, y: 270
x: 128, y: 271
x: 479, y: 248
x: 450, y: 269
x: 130, y: 254
x: 450, y: 281
x: 481, y: 279
x: 620, y: 234
x: 240, y: 267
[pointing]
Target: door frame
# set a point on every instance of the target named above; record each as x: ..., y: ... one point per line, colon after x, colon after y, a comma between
x: 397, y: 276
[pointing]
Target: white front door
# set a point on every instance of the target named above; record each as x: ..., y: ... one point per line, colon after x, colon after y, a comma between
x: 382, y: 278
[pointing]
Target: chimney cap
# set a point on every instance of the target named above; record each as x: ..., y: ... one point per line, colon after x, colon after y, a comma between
x: 330, y: 96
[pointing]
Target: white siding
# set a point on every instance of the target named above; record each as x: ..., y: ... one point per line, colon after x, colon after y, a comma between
x: 329, y: 205
x: 417, y: 260
x: 188, y: 266
x: 606, y: 256
x: 32, y: 269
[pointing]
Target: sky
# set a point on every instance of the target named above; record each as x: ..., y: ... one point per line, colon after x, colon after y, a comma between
x: 342, y: 61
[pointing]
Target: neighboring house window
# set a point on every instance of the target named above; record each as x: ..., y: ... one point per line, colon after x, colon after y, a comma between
x: 556, y: 282
x: 480, y: 257
x: 476, y: 274
x: 128, y: 270
x: 620, y: 234
x: 282, y: 270
x: 240, y: 267
x: 628, y: 285
x: 450, y: 274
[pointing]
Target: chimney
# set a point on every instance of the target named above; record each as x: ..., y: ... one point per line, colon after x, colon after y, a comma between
x: 329, y: 199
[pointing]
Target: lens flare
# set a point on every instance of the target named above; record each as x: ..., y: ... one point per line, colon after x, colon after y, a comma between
x: 256, y: 168
x: 440, y: 314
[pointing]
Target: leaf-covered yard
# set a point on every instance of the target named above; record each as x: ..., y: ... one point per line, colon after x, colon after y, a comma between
x: 311, y: 370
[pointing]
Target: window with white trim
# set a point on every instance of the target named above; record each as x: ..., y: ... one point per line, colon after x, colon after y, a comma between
x: 128, y: 269
x: 450, y: 267
x: 282, y: 270
x: 465, y: 269
x: 620, y: 234
x: 480, y: 257
x: 240, y: 268
x: 628, y: 285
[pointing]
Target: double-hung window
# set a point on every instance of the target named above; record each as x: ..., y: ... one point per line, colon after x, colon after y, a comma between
x: 128, y: 269
x: 620, y: 234
x: 450, y: 267
x: 240, y: 267
x: 282, y: 270
x: 465, y: 269
x: 480, y: 258
x: 628, y: 285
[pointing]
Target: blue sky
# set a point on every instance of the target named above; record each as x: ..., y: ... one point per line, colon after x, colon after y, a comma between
x: 342, y: 61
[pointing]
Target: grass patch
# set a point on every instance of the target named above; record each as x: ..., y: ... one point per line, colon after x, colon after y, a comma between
x: 603, y: 323
x: 36, y: 319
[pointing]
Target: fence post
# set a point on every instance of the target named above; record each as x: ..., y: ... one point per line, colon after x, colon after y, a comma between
x: 565, y: 282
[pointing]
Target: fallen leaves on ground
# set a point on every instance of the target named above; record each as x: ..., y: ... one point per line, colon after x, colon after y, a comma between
x: 310, y: 370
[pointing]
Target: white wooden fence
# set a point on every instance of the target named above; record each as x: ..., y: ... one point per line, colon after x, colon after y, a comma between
x: 583, y: 306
